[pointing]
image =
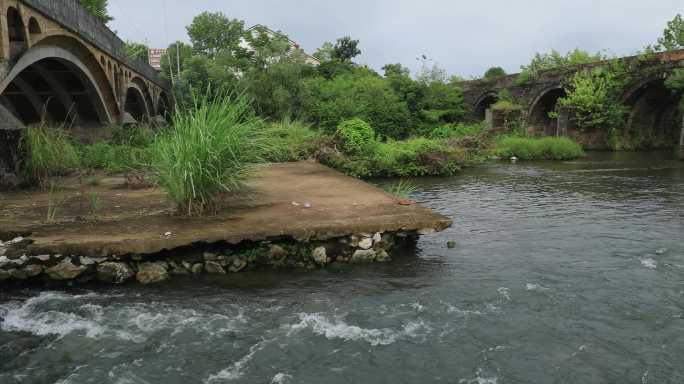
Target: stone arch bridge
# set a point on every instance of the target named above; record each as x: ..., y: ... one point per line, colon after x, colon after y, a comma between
x: 60, y: 64
x: 653, y: 110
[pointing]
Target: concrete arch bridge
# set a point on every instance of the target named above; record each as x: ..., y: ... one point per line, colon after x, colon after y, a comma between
x: 654, y: 112
x: 58, y: 63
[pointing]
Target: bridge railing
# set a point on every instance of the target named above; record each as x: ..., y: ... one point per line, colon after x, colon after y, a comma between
x: 72, y: 15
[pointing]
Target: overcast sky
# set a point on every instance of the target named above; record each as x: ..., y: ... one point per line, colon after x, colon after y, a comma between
x: 464, y: 37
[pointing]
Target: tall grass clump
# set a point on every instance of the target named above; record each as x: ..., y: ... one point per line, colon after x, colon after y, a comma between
x: 547, y: 148
x: 207, y: 151
x: 49, y: 151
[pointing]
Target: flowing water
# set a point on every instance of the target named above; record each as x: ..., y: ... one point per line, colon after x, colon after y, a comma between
x: 563, y: 273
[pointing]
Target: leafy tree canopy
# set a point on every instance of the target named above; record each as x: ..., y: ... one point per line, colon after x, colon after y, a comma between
x: 98, y: 8
x: 214, y: 32
x: 396, y: 70
x: 673, y: 35
x: 326, y: 52
x: 171, y: 60
x: 346, y: 49
x: 137, y: 51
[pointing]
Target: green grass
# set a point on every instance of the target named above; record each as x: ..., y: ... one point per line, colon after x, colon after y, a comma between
x: 208, y: 151
x: 547, y: 148
x: 401, y: 189
x: 452, y: 131
x: 290, y: 140
x: 49, y: 151
x: 114, y: 158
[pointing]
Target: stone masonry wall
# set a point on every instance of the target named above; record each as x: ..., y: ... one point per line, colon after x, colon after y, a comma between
x: 18, y: 267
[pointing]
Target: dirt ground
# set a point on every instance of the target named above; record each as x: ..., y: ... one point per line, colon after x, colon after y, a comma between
x: 302, y: 200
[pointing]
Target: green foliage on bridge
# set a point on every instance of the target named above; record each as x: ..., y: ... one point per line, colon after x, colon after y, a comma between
x: 98, y: 8
x: 555, y: 60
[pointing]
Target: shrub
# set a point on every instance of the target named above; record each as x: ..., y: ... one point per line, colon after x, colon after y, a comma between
x: 291, y: 141
x: 415, y: 157
x: 114, y: 158
x: 494, y: 72
x: 134, y: 135
x: 547, y: 148
x: 49, y: 152
x: 402, y: 189
x: 448, y: 131
x: 356, y: 136
x: 208, y: 151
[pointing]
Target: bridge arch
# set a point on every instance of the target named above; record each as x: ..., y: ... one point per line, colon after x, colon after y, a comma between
x: 34, y: 27
x: 164, y: 106
x: 483, y: 103
x: 655, y: 119
x: 52, y: 80
x: 135, y: 103
x: 539, y: 121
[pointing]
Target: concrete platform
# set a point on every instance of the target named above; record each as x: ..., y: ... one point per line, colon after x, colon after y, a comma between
x: 125, y: 221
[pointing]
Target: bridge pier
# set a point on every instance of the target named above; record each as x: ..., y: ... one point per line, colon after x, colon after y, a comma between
x: 563, y: 122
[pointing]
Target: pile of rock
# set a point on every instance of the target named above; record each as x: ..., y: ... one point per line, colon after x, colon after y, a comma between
x: 149, y: 269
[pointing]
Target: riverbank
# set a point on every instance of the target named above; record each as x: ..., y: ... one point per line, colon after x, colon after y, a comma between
x: 295, y: 215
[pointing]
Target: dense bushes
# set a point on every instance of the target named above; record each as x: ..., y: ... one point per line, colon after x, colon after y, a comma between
x: 356, y: 136
x: 365, y: 96
x: 547, y: 148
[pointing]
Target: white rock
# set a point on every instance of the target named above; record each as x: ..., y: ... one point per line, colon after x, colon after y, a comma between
x: 42, y: 258
x: 363, y: 256
x: 377, y: 238
x: 320, y: 255
x: 84, y: 260
x: 366, y: 243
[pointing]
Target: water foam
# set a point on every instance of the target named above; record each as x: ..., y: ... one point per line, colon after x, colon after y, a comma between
x: 36, y: 316
x: 281, y: 378
x: 505, y: 293
x: 649, y: 263
x: 59, y: 314
x: 236, y: 370
x: 535, y: 287
x: 338, y: 329
x: 479, y: 379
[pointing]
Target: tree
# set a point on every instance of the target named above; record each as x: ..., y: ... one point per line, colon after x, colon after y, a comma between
x: 346, y: 49
x: 494, y: 72
x: 98, y: 8
x: 673, y: 35
x: 396, y: 70
x: 214, y: 32
x: 325, y: 53
x: 363, y: 95
x: 137, y: 51
x: 171, y: 61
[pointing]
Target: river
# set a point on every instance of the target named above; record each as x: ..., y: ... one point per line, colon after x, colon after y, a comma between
x: 566, y: 272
